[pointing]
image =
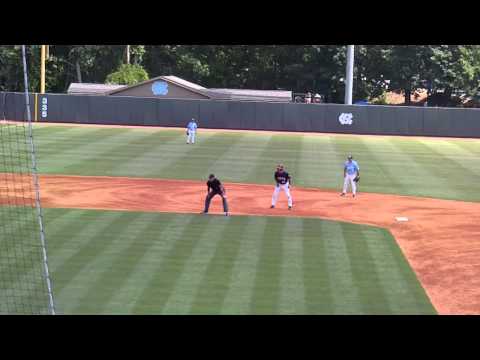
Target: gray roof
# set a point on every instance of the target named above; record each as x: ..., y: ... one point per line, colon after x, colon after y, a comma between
x: 216, y: 94
x: 89, y: 88
x: 171, y: 79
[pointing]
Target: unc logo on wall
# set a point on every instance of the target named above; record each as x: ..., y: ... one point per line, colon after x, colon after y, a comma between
x: 160, y: 88
x: 346, y: 118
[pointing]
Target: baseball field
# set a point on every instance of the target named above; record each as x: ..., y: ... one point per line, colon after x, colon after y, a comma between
x: 125, y: 234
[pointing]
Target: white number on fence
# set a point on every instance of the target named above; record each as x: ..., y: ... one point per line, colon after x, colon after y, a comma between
x: 44, y: 107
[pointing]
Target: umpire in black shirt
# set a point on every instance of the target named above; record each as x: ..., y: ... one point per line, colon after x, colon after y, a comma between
x: 215, y: 187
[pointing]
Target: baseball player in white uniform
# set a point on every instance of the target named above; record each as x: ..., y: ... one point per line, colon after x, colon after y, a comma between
x: 283, y: 180
x: 191, y: 131
x: 351, y: 173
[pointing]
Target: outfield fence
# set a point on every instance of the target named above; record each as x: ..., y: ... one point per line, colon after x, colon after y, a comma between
x: 329, y: 118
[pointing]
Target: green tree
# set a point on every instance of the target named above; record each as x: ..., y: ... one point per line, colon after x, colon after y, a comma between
x: 454, y: 68
x: 369, y: 72
x: 11, y: 76
x: 406, y: 67
x: 127, y: 74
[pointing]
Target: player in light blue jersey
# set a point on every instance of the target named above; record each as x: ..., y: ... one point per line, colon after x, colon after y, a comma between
x: 351, y: 173
x: 191, y: 131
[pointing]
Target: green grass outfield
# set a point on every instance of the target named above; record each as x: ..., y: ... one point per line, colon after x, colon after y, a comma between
x: 436, y: 168
x: 125, y: 262
x: 153, y: 263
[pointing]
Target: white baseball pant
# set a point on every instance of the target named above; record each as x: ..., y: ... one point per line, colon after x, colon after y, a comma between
x: 349, y: 178
x: 276, y: 191
x: 191, y: 137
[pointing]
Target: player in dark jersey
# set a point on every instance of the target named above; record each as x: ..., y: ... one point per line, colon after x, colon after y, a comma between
x: 282, y: 181
x: 215, y: 187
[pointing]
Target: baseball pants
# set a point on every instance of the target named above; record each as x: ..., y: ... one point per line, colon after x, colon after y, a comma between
x: 349, y: 178
x: 209, y: 198
x: 191, y: 137
x: 276, y: 191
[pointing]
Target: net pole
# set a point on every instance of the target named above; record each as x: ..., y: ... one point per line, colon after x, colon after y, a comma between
x: 51, y: 303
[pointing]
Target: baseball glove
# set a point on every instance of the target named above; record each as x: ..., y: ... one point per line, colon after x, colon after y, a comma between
x: 187, y: 132
x: 357, y: 179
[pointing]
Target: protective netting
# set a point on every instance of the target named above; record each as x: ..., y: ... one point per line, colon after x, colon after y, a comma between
x: 23, y: 280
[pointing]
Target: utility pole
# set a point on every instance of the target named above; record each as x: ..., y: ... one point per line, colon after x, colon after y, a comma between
x: 42, y: 69
x: 349, y: 75
x: 128, y: 54
x: 79, y: 73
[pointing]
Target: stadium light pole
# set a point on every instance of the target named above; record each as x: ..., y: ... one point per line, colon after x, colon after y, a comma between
x: 349, y: 75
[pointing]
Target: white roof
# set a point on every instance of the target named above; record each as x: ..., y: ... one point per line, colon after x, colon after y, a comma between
x: 279, y: 93
x: 183, y: 82
x: 247, y: 94
x: 89, y: 88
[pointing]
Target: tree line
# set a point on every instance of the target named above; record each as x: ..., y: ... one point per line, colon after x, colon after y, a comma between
x: 444, y: 70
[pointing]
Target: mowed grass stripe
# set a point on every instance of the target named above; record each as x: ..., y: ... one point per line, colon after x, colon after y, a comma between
x: 152, y: 263
x: 456, y: 152
x: 390, y: 165
x: 213, y: 288
x: 46, y: 137
x: 344, y: 290
x: 456, y: 156
x: 100, y: 261
x: 20, y: 249
x: 244, y: 161
x: 62, y: 231
x: 377, y: 170
x: 188, y: 282
x: 403, y: 291
x: 456, y: 179
x: 372, y: 297
x: 193, y: 158
x: 81, y: 267
x: 265, y: 299
x: 259, y: 168
x: 166, y: 274
x: 156, y: 150
x: 323, y: 166
x: 472, y: 147
x: 238, y: 297
x: 280, y: 149
x: 316, y: 280
x: 292, y: 289
x: 409, y: 172
x: 109, y: 157
x: 229, y: 166
x: 23, y: 259
x: 77, y: 148
x: 116, y: 267
x: 156, y: 243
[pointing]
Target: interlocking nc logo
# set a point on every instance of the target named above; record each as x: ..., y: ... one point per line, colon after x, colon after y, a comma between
x: 346, y: 118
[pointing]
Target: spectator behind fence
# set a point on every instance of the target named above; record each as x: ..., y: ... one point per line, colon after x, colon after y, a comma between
x: 308, y: 98
x: 317, y: 99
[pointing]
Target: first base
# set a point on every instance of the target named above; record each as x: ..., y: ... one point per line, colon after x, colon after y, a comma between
x: 401, y: 218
